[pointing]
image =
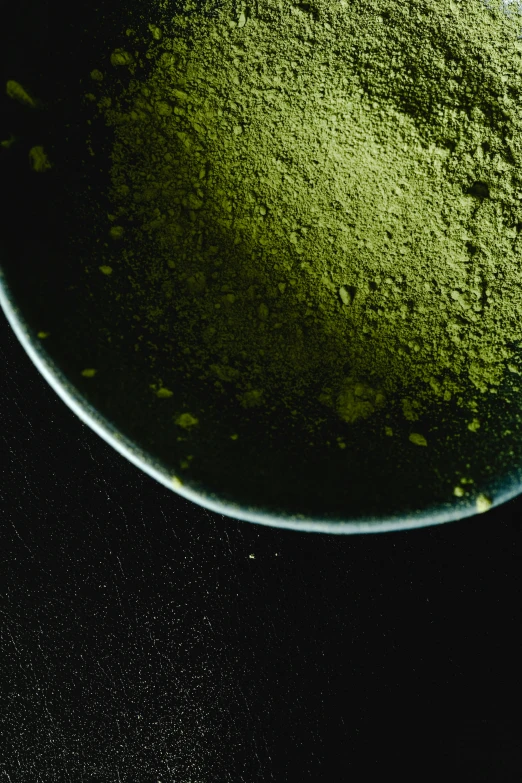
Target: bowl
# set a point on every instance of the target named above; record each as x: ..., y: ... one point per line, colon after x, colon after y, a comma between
x: 255, y: 463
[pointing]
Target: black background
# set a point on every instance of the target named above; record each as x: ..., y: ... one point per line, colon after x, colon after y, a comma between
x: 145, y: 639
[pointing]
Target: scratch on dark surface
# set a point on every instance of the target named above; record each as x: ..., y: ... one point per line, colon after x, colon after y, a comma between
x: 21, y: 539
x: 12, y: 638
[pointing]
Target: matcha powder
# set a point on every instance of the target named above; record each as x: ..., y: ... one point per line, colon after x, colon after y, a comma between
x: 324, y: 199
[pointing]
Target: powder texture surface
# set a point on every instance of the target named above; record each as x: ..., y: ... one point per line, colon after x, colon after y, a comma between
x: 323, y: 200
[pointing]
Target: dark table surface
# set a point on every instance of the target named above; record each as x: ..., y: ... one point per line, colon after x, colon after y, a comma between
x: 145, y: 639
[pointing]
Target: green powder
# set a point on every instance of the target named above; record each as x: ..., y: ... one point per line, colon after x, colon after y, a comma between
x: 324, y: 199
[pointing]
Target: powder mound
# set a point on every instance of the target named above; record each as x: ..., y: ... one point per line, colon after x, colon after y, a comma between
x: 326, y: 199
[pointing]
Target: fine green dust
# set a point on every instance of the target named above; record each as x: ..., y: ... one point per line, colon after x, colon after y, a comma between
x: 323, y: 201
